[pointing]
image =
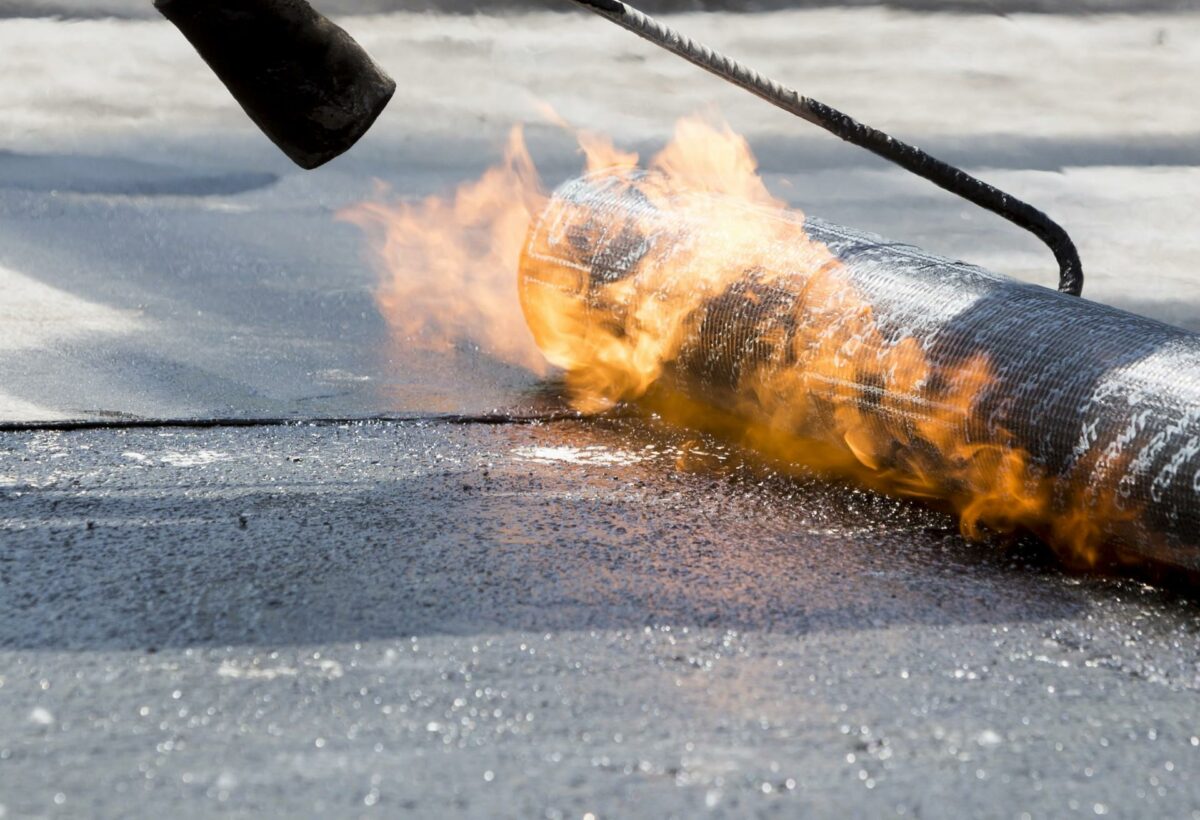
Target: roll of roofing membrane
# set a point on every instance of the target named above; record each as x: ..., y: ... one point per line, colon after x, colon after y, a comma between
x: 1020, y: 407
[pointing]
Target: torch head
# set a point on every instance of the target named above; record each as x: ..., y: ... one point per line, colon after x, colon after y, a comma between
x: 303, y: 80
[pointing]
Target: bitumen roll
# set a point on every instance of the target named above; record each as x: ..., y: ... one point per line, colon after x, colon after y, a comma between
x: 1021, y: 408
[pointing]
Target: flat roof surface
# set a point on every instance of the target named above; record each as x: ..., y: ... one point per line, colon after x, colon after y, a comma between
x: 553, y: 618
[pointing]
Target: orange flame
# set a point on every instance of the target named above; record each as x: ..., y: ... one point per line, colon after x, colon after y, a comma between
x: 447, y: 266
x: 450, y: 273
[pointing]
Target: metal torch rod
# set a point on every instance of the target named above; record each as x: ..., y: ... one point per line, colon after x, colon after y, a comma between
x: 909, y: 157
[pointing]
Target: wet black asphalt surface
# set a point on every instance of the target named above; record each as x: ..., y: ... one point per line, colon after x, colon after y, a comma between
x: 551, y: 620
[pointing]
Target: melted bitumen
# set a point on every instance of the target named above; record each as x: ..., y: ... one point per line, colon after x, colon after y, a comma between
x: 550, y: 619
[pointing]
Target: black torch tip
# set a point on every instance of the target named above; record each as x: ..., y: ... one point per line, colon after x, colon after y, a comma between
x: 302, y: 79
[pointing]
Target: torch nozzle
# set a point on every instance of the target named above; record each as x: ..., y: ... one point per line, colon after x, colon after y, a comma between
x: 303, y: 80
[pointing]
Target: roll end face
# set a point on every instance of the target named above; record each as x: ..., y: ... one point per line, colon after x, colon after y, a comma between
x: 303, y: 80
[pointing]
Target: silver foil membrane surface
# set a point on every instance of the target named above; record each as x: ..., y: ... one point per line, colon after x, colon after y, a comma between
x: 1101, y: 408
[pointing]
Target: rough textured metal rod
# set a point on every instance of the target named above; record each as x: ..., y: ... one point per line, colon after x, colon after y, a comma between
x: 909, y: 157
x: 935, y: 378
